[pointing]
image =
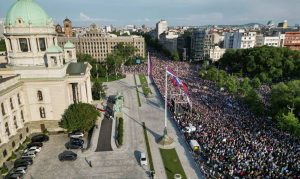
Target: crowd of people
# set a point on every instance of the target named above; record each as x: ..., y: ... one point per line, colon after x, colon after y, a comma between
x: 234, y: 142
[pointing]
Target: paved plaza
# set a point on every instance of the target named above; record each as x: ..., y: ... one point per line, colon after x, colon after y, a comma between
x: 123, y: 162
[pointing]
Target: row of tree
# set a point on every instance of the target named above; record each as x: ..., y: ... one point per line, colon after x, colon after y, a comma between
x: 269, y: 64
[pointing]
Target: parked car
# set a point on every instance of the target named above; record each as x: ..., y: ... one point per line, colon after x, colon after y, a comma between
x: 21, y: 164
x: 77, y: 134
x: 67, y: 155
x: 28, y: 162
x: 24, y: 158
x: 21, y: 168
x: 143, y: 159
x: 24, y: 164
x: 18, y: 171
x: 33, y: 144
x: 40, y: 138
x: 29, y: 154
x: 74, y: 146
x: 14, y: 176
x: 34, y: 148
x: 76, y: 141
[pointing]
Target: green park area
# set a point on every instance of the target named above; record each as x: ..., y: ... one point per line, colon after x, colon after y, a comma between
x: 144, y: 84
x: 172, y: 163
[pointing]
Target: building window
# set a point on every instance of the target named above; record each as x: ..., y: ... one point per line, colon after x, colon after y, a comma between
x: 22, y: 116
x: 19, y: 99
x: 13, y: 144
x: 11, y: 103
x: 15, y: 122
x: 40, y: 95
x: 4, y: 153
x: 23, y: 44
x: 3, y: 109
x: 21, y: 136
x: 42, y: 112
x: 7, y: 129
x: 27, y: 129
x: 42, y: 43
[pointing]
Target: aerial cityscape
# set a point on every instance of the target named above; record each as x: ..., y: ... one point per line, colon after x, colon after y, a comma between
x: 149, y: 89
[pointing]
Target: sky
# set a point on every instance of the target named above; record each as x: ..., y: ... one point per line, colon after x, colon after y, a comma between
x: 176, y: 12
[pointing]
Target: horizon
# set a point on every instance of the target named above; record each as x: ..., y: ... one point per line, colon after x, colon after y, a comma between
x: 176, y: 12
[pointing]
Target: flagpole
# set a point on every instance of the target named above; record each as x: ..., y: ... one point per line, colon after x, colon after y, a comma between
x: 166, y: 97
x: 148, y: 69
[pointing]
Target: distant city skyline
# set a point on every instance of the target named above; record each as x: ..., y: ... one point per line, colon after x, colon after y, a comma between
x: 176, y: 12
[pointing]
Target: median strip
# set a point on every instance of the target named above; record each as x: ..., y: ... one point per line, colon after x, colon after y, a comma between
x: 148, y: 147
x: 137, y: 92
x: 172, y: 164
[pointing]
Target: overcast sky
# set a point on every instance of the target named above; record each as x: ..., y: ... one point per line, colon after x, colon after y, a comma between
x: 176, y: 12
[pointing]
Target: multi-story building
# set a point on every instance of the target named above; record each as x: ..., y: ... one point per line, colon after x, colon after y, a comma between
x: 99, y: 44
x: 275, y: 41
x: 283, y: 24
x: 203, y: 40
x: 216, y: 53
x: 36, y: 67
x: 161, y: 27
x: 240, y: 39
x: 168, y: 39
x: 292, y: 40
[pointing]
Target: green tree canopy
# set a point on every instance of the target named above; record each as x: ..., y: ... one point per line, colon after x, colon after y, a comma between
x: 79, y: 116
x: 98, y: 90
x: 2, y: 45
x: 269, y: 64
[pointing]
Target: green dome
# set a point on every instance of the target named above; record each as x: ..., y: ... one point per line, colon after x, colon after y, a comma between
x: 54, y: 49
x: 29, y: 12
x: 69, y: 45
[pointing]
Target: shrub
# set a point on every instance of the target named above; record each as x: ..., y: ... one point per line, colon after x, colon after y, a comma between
x: 121, y: 131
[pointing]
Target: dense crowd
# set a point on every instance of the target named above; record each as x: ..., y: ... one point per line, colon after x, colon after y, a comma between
x: 234, y: 142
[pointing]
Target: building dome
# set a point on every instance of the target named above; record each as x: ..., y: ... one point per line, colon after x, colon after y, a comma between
x: 54, y: 49
x: 27, y: 12
x: 69, y: 45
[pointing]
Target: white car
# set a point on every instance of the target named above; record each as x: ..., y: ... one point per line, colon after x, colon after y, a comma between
x: 19, y: 171
x: 34, y: 148
x: 143, y: 159
x: 21, y: 168
x: 29, y: 154
x: 76, y: 135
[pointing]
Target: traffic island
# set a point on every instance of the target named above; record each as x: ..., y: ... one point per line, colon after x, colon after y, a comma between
x: 172, y: 164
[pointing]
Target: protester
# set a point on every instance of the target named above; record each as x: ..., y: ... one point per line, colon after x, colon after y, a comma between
x: 234, y: 142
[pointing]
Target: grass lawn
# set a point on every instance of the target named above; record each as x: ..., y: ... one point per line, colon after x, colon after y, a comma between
x: 148, y: 147
x: 172, y: 163
x: 144, y: 84
x: 111, y: 78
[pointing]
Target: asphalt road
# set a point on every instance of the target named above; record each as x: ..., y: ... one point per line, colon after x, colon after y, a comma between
x: 104, y: 141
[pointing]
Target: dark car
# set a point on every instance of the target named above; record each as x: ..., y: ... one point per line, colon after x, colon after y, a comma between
x: 28, y: 161
x: 32, y: 144
x: 21, y: 164
x: 40, y: 138
x: 76, y: 141
x: 67, y: 155
x: 14, y: 176
x: 74, y: 146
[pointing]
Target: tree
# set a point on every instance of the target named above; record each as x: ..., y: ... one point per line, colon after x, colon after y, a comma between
x: 245, y: 86
x: 175, y: 56
x: 98, y: 90
x: 289, y: 123
x: 254, y: 102
x: 256, y: 83
x: 79, y: 116
x: 2, y: 46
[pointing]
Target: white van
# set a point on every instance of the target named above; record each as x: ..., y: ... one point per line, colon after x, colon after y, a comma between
x: 143, y: 159
x: 194, y: 145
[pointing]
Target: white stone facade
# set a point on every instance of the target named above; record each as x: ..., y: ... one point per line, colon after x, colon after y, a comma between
x: 38, y: 84
x: 161, y: 27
